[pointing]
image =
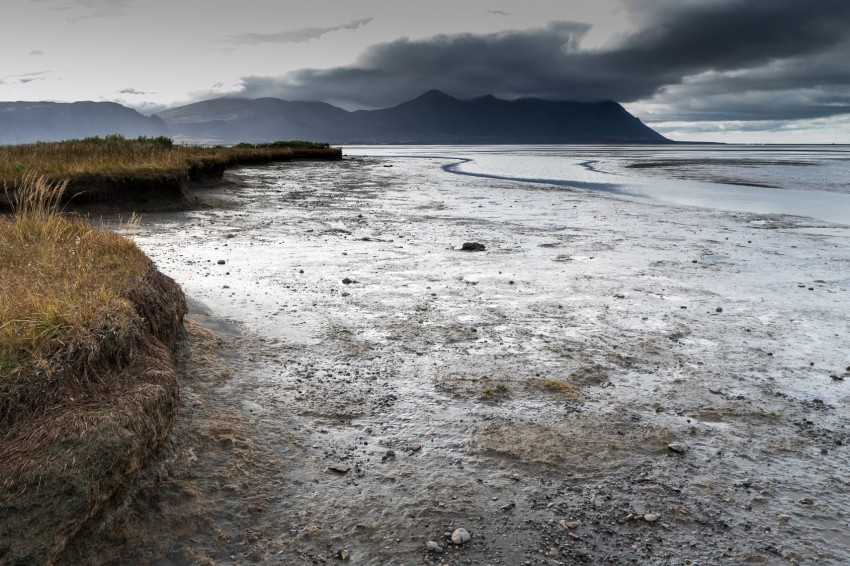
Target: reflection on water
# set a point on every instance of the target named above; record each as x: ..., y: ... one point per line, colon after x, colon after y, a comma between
x: 811, y: 181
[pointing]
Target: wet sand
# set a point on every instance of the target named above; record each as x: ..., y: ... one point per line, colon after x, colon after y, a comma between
x: 609, y: 381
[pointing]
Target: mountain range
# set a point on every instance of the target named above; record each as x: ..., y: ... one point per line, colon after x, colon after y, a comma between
x: 432, y: 118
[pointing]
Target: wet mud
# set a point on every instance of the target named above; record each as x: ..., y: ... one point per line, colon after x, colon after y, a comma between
x: 606, y: 382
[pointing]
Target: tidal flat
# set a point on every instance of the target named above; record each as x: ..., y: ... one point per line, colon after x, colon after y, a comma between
x: 609, y: 380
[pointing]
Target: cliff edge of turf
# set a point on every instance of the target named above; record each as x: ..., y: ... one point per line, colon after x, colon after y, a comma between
x: 88, y: 388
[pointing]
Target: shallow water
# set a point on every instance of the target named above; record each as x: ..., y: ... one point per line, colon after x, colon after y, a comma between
x: 544, y: 378
x: 812, y: 181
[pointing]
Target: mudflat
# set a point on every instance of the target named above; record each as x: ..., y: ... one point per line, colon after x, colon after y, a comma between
x: 606, y: 381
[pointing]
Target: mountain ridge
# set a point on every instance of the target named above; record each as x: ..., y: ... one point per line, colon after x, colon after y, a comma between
x: 434, y: 117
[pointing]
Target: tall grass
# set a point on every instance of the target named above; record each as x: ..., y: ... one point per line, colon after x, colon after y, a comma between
x: 62, y: 287
x: 117, y: 157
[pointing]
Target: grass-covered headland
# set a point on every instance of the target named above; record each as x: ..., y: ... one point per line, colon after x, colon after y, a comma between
x: 88, y: 389
x: 119, y: 170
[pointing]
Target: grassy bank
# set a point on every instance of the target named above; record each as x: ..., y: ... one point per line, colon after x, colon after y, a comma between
x: 119, y: 169
x: 87, y: 386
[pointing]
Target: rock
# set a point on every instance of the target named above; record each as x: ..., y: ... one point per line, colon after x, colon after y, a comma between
x: 416, y: 447
x: 433, y: 547
x: 221, y: 262
x: 461, y: 536
x: 347, y: 281
x: 678, y: 447
x: 473, y: 247
x: 650, y: 517
x: 343, y: 554
x: 339, y: 468
x: 573, y: 524
x: 719, y: 309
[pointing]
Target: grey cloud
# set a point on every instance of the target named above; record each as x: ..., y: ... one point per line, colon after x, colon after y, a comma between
x: 133, y: 91
x: 88, y: 8
x: 752, y: 46
x: 36, y: 52
x: 25, y: 77
x: 301, y: 35
x: 498, y: 12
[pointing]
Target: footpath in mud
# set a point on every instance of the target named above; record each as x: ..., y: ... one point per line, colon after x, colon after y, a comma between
x: 605, y: 382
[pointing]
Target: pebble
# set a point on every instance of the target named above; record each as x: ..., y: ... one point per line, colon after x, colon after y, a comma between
x: 347, y: 281
x: 461, y: 536
x: 473, y: 247
x: 572, y: 524
x: 221, y: 262
x: 678, y: 447
x: 343, y: 554
x: 433, y: 547
x: 340, y: 468
x: 416, y: 447
x: 650, y: 517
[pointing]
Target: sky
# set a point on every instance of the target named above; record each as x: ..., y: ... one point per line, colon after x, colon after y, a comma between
x: 749, y: 71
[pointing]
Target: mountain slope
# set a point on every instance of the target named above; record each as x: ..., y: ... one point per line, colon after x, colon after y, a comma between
x: 25, y: 122
x: 432, y: 118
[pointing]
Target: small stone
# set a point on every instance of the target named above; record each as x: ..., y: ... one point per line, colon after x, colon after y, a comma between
x: 347, y: 281
x: 343, y: 554
x: 221, y: 262
x: 461, y: 536
x: 573, y: 524
x: 678, y: 447
x: 433, y: 547
x: 650, y: 517
x: 719, y: 309
x: 416, y: 447
x: 339, y: 468
x: 473, y: 247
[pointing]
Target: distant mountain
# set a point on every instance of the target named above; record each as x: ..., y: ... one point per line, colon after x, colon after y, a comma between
x: 433, y: 118
x: 25, y: 122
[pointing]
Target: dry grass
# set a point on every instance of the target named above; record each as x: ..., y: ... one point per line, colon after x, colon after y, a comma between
x: 88, y: 390
x: 63, y: 287
x: 559, y: 387
x: 114, y: 159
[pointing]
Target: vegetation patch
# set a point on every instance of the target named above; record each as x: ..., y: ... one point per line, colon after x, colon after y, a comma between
x: 118, y: 169
x: 559, y: 387
x: 87, y: 385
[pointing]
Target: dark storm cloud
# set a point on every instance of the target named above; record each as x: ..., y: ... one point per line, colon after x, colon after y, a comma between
x: 293, y: 36
x: 767, y: 46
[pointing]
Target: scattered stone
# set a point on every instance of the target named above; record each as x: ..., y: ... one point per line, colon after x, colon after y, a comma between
x: 473, y: 247
x: 650, y: 517
x: 573, y: 524
x: 416, y: 447
x: 619, y: 296
x: 347, y: 281
x: 837, y: 377
x: 461, y: 536
x: 719, y: 309
x: 678, y: 447
x: 343, y: 554
x: 339, y: 468
x: 433, y: 547
x: 508, y: 506
x: 807, y: 501
x: 221, y: 262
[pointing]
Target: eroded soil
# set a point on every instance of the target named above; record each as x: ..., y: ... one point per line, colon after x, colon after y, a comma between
x: 607, y: 382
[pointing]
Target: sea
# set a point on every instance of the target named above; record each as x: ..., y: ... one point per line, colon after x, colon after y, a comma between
x: 811, y: 181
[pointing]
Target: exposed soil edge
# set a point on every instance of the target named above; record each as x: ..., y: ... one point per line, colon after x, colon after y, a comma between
x: 96, y: 447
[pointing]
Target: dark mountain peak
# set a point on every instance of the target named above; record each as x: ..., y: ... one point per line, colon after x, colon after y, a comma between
x: 434, y: 94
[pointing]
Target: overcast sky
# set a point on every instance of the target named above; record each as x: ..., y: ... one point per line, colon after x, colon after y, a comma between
x: 714, y: 70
